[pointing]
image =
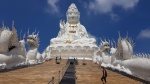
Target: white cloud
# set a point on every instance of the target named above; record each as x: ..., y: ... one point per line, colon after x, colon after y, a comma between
x: 53, y: 7
x: 144, y: 34
x: 106, y: 6
x: 114, y: 17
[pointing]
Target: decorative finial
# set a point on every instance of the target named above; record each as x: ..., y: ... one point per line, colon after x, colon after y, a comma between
x: 111, y: 43
x: 38, y: 33
x: 3, y: 25
x: 32, y: 33
x: 127, y: 35
x: 20, y: 34
x: 115, y: 43
x: 101, y: 40
x: 13, y: 22
x: 104, y: 38
x: 108, y: 40
x: 119, y: 34
x: 35, y: 30
x: 13, y: 28
x: 28, y: 31
x: 24, y: 36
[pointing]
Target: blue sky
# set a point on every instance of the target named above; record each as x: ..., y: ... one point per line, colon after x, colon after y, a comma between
x: 102, y: 18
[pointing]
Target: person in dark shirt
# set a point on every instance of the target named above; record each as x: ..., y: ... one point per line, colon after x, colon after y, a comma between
x: 103, y: 78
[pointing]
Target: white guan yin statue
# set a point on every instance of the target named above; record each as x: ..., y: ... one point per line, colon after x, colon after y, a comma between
x: 73, y: 39
x: 123, y: 58
x: 72, y: 30
x: 33, y: 56
x: 104, y: 48
x: 12, y: 51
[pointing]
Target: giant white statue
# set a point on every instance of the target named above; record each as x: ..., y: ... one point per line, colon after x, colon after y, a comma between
x: 12, y: 51
x: 73, y: 39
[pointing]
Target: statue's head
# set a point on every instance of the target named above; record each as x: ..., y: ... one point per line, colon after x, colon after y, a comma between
x: 33, y: 40
x: 73, y: 14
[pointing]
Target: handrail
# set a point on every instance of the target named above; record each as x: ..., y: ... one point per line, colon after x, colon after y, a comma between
x: 51, y: 81
x: 65, y: 69
x: 70, y: 68
x: 58, y: 78
x: 75, y: 78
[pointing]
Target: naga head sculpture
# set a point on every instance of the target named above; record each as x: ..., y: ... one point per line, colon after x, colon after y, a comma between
x: 104, y: 46
x: 73, y: 15
x: 33, y: 40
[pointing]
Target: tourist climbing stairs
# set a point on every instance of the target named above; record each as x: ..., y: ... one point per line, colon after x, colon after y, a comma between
x: 69, y: 76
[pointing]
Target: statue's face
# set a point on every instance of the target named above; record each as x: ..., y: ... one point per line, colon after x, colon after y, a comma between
x: 73, y: 16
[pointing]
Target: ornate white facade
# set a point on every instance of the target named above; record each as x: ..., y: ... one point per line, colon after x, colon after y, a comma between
x: 72, y: 39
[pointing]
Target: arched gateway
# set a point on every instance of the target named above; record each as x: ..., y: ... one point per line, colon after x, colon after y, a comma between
x: 72, y: 39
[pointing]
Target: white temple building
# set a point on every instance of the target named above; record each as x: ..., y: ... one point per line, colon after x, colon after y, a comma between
x: 72, y: 39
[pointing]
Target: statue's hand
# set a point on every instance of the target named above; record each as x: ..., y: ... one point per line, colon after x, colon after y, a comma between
x: 62, y: 24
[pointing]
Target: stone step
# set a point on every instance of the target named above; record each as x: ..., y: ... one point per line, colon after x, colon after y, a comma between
x: 69, y: 76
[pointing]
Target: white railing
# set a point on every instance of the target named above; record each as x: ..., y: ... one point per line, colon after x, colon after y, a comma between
x: 141, y: 55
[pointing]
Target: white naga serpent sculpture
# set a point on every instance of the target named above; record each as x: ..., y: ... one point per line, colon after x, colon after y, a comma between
x: 12, y: 51
x: 33, y: 56
x: 124, y: 58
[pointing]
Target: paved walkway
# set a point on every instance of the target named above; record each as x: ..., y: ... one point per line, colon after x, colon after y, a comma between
x: 91, y: 74
x: 43, y: 73
x: 38, y: 74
